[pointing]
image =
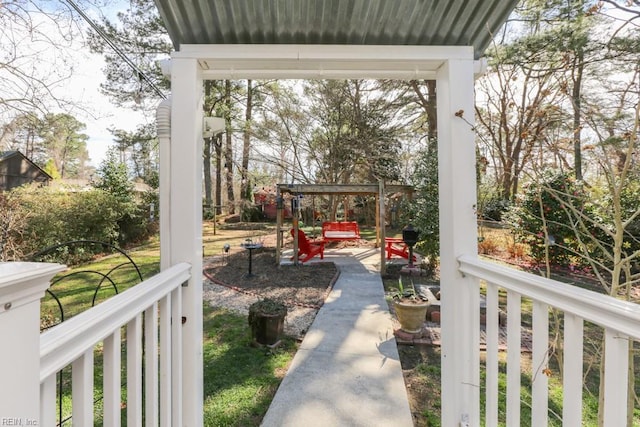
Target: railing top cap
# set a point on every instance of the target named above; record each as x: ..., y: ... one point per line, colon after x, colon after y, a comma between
x: 13, y: 272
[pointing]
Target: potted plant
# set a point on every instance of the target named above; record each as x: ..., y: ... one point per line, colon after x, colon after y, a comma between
x: 410, y: 307
x: 266, y: 319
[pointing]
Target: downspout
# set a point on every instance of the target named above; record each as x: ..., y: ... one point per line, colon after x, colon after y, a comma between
x: 480, y: 67
x: 163, y: 126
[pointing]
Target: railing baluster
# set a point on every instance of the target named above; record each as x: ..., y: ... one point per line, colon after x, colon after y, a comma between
x: 82, y: 389
x: 492, y: 335
x: 48, y: 401
x: 176, y: 356
x: 616, y: 365
x: 539, y: 361
x: 151, y: 365
x: 165, y: 360
x: 619, y: 319
x: 111, y: 379
x: 73, y: 343
x: 134, y: 371
x: 572, y: 370
x: 514, y: 348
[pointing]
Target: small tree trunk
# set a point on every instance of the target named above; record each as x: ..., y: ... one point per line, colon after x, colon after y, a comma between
x: 207, y: 173
x: 228, y: 155
x: 576, y: 96
x: 246, y: 147
x: 218, y: 148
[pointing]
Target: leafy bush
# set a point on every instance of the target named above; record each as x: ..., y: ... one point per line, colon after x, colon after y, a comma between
x: 49, y: 217
x: 630, y: 204
x: 491, y: 205
x: 134, y: 226
x: 422, y: 211
x: 208, y: 213
x: 133, y: 223
x: 494, y: 208
x: 12, y: 222
x: 488, y: 246
x: 542, y: 218
x: 55, y: 217
x: 252, y: 214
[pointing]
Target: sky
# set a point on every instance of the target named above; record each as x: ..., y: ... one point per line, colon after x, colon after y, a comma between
x: 83, y: 88
x: 101, y: 115
x: 69, y: 70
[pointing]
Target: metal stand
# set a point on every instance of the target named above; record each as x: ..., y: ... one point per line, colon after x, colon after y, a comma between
x: 250, y: 247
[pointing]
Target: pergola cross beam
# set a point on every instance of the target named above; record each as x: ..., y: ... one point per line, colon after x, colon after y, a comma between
x: 342, y: 189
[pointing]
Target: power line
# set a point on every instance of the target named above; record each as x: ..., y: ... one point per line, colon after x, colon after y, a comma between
x: 140, y: 74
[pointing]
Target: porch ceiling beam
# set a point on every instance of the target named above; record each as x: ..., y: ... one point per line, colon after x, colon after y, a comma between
x: 343, y: 189
x: 322, y: 61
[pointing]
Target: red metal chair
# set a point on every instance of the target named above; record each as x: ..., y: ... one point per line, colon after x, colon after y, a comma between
x: 396, y: 246
x: 307, y: 247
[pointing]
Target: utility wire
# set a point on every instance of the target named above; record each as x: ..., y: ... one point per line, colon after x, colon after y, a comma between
x: 119, y: 52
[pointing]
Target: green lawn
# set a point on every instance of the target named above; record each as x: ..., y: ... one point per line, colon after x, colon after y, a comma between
x: 239, y: 380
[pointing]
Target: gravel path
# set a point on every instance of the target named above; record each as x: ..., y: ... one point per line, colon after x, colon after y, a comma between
x: 296, y: 324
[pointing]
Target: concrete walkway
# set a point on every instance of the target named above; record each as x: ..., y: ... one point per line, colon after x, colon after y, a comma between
x: 347, y: 371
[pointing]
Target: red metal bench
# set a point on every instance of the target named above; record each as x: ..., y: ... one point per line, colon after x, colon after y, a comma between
x: 345, y: 230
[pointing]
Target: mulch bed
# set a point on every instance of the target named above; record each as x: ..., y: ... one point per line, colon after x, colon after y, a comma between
x: 302, y: 285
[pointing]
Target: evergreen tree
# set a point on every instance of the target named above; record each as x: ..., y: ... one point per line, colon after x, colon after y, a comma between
x: 113, y: 178
x: 140, y: 35
x: 64, y: 143
x: 138, y: 150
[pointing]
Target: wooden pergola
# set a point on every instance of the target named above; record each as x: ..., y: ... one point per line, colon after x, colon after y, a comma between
x: 378, y: 190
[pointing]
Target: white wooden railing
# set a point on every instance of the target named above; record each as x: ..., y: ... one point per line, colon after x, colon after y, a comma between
x: 153, y: 342
x: 620, y: 321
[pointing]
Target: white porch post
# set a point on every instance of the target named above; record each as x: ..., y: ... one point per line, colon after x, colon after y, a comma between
x: 458, y: 235
x: 22, y: 284
x: 186, y: 222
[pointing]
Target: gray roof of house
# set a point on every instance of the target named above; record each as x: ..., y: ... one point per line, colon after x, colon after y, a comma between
x: 352, y: 22
x: 7, y: 154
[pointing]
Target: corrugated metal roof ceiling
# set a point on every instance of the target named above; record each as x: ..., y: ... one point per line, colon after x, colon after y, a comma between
x: 355, y: 22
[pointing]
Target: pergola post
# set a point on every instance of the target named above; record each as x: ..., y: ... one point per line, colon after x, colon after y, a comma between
x: 380, y: 227
x: 279, y: 215
x: 296, y: 227
x: 458, y: 235
x: 186, y: 226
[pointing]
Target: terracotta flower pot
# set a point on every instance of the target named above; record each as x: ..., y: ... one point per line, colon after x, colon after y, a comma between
x: 435, y: 317
x: 411, y: 314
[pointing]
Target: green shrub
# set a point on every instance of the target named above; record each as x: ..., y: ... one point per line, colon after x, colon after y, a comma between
x: 542, y: 218
x: 51, y: 217
x: 491, y: 204
x: 133, y: 222
x: 54, y: 217
x: 12, y: 222
x: 134, y: 226
x: 422, y: 211
x: 494, y: 208
x: 252, y: 214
